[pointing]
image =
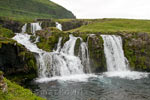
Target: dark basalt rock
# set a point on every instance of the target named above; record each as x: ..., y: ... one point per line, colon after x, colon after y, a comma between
x: 137, y: 50
x: 46, y: 24
x: 96, y: 53
x: 72, y: 24
x: 12, y: 25
x: 14, y: 58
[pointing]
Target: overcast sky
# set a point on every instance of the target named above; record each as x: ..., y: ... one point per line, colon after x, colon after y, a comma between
x: 139, y: 9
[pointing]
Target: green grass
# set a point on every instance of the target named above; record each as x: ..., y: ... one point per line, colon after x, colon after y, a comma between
x: 6, y: 33
x: 16, y: 92
x: 116, y: 25
x: 31, y: 9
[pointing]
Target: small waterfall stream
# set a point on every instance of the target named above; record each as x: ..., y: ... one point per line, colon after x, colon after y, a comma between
x: 117, y: 63
x: 59, y: 26
x: 24, y: 28
x: 84, y: 56
x: 114, y: 53
x: 35, y: 27
x: 62, y: 62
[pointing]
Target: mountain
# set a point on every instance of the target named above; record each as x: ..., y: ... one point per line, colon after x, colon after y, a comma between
x: 31, y: 9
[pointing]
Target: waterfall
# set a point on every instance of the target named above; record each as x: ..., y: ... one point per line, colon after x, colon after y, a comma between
x: 114, y: 53
x: 59, y: 45
x: 35, y: 27
x: 84, y: 56
x: 58, y: 26
x: 24, y: 28
x: 37, y: 39
x: 63, y: 62
x: 60, y: 62
x: 24, y: 39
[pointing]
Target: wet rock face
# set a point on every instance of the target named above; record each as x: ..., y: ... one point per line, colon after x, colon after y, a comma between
x: 45, y: 33
x: 46, y: 24
x: 68, y: 25
x: 12, y: 25
x: 16, y: 59
x: 8, y: 57
x: 96, y: 53
x: 137, y: 51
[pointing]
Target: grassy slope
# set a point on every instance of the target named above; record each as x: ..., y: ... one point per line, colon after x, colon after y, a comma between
x: 16, y: 92
x: 30, y: 9
x: 116, y: 25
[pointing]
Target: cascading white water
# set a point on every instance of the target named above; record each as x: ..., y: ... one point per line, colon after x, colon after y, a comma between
x: 68, y: 47
x: 24, y: 28
x: 24, y: 39
x: 37, y: 39
x: 63, y: 62
x: 59, y: 45
x: 84, y: 56
x: 59, y: 26
x: 114, y: 53
x: 60, y: 62
x: 35, y: 27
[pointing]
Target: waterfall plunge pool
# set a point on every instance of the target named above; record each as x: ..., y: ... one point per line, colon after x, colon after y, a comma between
x: 105, y: 86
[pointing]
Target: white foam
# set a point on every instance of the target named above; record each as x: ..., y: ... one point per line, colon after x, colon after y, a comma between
x: 75, y: 78
x: 114, y: 53
x: 131, y: 75
x: 59, y: 26
x: 35, y: 27
x: 24, y: 39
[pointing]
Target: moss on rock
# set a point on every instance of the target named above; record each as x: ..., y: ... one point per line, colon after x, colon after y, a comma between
x: 137, y: 50
x: 46, y: 24
x: 17, y: 60
x: 77, y: 47
x: 13, y: 25
x: 6, y: 33
x: 68, y: 24
x: 96, y: 52
x: 49, y: 38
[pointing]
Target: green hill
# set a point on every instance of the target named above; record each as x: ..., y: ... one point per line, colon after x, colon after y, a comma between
x: 31, y: 9
x: 115, y: 25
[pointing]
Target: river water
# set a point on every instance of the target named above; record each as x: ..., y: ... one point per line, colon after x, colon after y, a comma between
x: 93, y: 87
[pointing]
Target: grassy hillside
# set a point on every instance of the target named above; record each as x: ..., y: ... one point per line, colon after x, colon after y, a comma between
x: 116, y: 25
x: 31, y: 9
x: 16, y: 92
x: 12, y: 91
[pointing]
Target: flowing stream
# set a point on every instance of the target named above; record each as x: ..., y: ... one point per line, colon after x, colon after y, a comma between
x: 66, y: 76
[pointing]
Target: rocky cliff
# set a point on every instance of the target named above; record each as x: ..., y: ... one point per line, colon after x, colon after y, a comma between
x: 16, y: 60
